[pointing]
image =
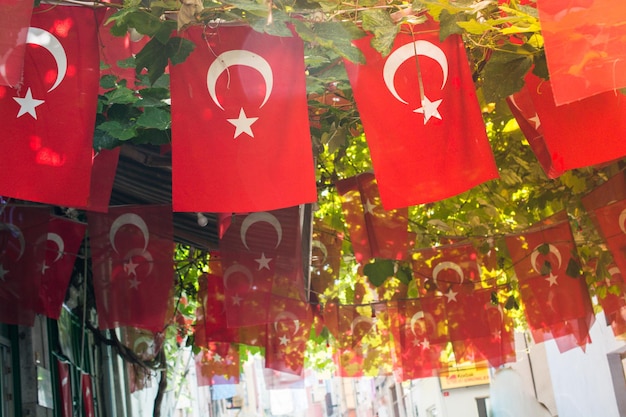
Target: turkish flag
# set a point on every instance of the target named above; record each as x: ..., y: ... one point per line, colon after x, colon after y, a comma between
x: 287, y: 335
x: 63, y: 241
x: 103, y: 169
x: 65, y: 388
x: 431, y: 142
x: 217, y: 363
x: 48, y: 122
x: 145, y: 345
x: 22, y: 253
x: 557, y: 305
x: 610, y: 191
x: 132, y: 254
x: 261, y: 259
x: 571, y: 131
x: 240, y: 124
x: 325, y: 258
x: 611, y: 295
x: 374, y: 231
x: 87, y: 393
x: 14, y: 19
x: 585, y: 46
x: 611, y: 220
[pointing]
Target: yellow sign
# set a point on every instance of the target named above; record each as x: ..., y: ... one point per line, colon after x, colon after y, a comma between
x: 463, y: 377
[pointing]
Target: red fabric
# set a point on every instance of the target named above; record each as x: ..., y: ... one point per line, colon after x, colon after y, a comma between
x: 374, y: 231
x: 571, y: 131
x: 47, y: 141
x: 132, y: 254
x: 22, y: 254
x: 65, y: 389
x: 261, y: 260
x: 104, y: 167
x: 87, y: 392
x: 63, y: 242
x: 611, y: 222
x: 267, y: 165
x: 585, y: 45
x: 557, y: 306
x: 611, y: 293
x: 429, y: 156
x: 287, y: 335
x: 217, y: 363
x: 14, y: 20
x: 325, y: 258
x: 146, y: 345
x: 612, y: 190
x: 525, y: 114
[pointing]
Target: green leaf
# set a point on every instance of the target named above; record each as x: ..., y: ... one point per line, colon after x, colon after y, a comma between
x: 153, y: 97
x: 154, y: 56
x: 154, y: 117
x: 404, y: 274
x: 108, y: 82
x: 448, y: 24
x: 121, y: 95
x: 336, y: 36
x: 504, y: 73
x: 278, y: 27
x: 118, y: 130
x: 546, y: 268
x: 543, y: 249
x: 378, y: 271
x: 573, y: 269
x: 382, y: 27
x: 178, y: 49
x: 511, y: 303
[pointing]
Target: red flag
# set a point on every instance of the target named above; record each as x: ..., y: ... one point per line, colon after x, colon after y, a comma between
x: 557, y: 305
x: 240, y: 130
x: 145, y: 345
x: 571, y: 131
x: 287, y: 335
x: 262, y: 259
x: 612, y: 190
x: 14, y: 19
x: 87, y: 393
x: 48, y: 122
x: 431, y: 143
x: 217, y: 363
x: 63, y: 242
x: 585, y: 45
x: 21, y: 256
x: 65, y: 389
x: 611, y: 293
x: 132, y: 254
x: 611, y: 221
x: 525, y: 114
x: 325, y: 258
x: 104, y: 167
x: 374, y: 231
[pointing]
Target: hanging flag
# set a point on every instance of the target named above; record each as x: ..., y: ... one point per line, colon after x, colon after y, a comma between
x: 325, y: 258
x: 525, y: 114
x: 431, y: 143
x: 145, y: 345
x: 585, y: 46
x: 65, y: 389
x: 556, y: 299
x: 21, y: 256
x: 287, y: 335
x: 611, y: 220
x: 62, y: 244
x: 612, y: 190
x: 217, y: 364
x: 261, y: 259
x: 132, y: 253
x: 571, y: 131
x: 611, y: 295
x: 374, y: 231
x: 14, y: 20
x: 104, y: 167
x: 48, y: 122
x: 240, y: 130
x: 87, y: 393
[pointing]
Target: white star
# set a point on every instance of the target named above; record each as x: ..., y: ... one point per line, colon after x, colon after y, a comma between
x: 451, y: 295
x: 236, y: 300
x: 429, y: 109
x: 552, y: 280
x: 263, y: 262
x: 3, y: 272
x: 217, y: 358
x: 243, y: 124
x: 535, y: 120
x: 134, y: 283
x: 284, y: 340
x: 425, y: 344
x: 28, y: 104
x: 130, y: 267
x: 416, y: 343
x: 369, y: 207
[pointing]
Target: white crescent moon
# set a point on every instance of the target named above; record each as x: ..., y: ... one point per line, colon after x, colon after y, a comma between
x: 535, y: 254
x: 16, y: 232
x: 447, y: 265
x: 59, y: 242
x: 359, y: 320
x: 400, y: 55
x: 622, y: 219
x: 129, y: 218
x: 289, y: 315
x: 512, y: 98
x: 317, y: 244
x: 144, y: 340
x: 417, y: 316
x: 238, y: 268
x: 614, y: 271
x: 260, y: 217
x: 239, y: 57
x: 45, y: 39
x: 144, y: 254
